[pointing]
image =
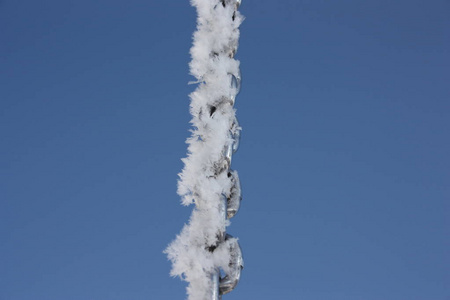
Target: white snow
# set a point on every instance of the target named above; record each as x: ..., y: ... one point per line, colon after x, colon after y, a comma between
x: 202, y: 181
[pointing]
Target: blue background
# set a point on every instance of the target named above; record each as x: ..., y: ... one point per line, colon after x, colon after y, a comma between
x: 344, y: 157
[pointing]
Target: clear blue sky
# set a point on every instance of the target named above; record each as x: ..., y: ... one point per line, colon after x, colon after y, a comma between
x: 344, y: 158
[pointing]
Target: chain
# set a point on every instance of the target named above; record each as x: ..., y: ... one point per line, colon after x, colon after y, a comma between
x: 231, y: 200
x: 204, y: 254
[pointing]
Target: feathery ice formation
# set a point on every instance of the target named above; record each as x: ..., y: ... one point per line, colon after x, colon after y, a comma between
x: 203, y: 249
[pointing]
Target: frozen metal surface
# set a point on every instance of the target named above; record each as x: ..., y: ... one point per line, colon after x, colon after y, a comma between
x: 231, y: 279
x: 235, y: 132
x: 234, y: 197
x: 215, y: 290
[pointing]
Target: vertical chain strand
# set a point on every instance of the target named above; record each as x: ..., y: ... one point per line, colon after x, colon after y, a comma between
x: 203, y: 250
x: 231, y: 202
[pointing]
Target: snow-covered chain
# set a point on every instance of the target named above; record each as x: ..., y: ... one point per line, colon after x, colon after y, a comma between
x: 203, y: 249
